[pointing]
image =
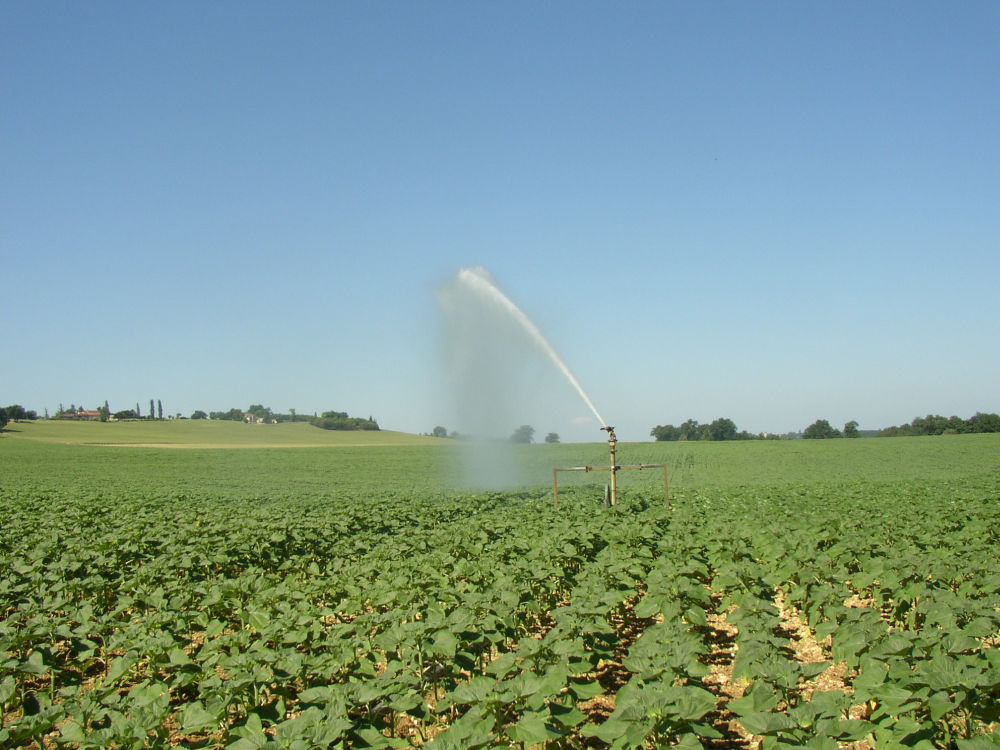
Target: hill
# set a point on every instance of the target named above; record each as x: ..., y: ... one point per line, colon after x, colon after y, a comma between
x: 198, y: 433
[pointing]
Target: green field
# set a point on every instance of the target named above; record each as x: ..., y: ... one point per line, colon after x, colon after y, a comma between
x: 272, y: 587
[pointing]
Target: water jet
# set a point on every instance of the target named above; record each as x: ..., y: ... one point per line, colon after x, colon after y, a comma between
x: 487, y: 294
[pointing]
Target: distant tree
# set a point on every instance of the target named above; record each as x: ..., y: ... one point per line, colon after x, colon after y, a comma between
x: 440, y: 432
x: 292, y: 413
x: 851, y: 429
x: 665, y: 432
x: 339, y: 420
x: 552, y: 437
x: 3, y: 418
x: 159, y: 408
x: 722, y: 429
x: 126, y: 414
x: 199, y: 414
x: 15, y: 413
x: 234, y: 414
x: 138, y: 414
x: 151, y: 412
x: 260, y: 411
x: 980, y: 422
x: 820, y: 429
x: 523, y: 434
x: 691, y: 430
x: 105, y: 411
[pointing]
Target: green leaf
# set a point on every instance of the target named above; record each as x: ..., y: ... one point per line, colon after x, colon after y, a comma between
x: 178, y: 657
x: 985, y: 742
x: 445, y: 643
x: 257, y: 619
x: 7, y: 688
x: 195, y: 718
x: 940, y: 704
x: 850, y: 730
x: 584, y: 689
x: 34, y: 664
x: 531, y: 729
x: 767, y: 723
x: 696, y: 616
x: 694, y: 702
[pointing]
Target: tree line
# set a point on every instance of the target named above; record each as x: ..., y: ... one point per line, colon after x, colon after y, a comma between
x: 719, y: 429
x: 935, y: 424
x: 523, y: 434
x: 821, y: 429
x: 328, y: 420
x: 339, y: 420
x: 104, y: 413
x: 15, y: 413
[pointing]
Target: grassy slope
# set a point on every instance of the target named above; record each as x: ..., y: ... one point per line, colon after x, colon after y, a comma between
x: 192, y: 433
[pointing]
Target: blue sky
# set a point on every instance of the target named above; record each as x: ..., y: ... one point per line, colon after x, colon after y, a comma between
x: 773, y: 212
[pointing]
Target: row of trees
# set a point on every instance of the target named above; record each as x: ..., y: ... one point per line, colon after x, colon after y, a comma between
x: 526, y: 434
x: 328, y: 420
x: 339, y: 420
x: 721, y: 429
x: 15, y: 413
x: 935, y: 424
x: 105, y: 414
x: 523, y: 434
x: 821, y: 429
x: 258, y: 411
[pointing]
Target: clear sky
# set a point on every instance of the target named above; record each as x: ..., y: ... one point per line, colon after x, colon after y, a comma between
x: 773, y: 212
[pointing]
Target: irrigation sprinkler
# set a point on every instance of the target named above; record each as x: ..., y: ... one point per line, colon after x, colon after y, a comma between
x: 610, y: 494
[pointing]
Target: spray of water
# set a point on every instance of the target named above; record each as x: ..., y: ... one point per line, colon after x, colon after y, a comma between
x: 499, y: 373
x: 478, y: 280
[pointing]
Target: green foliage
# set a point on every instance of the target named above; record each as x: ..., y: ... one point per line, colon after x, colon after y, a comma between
x: 15, y: 413
x: 523, y: 434
x: 819, y: 430
x: 552, y: 437
x: 722, y: 428
x: 355, y: 598
x: 234, y: 414
x: 339, y: 420
x: 935, y: 424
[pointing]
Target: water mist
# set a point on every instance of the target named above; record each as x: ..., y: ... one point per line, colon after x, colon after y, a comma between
x: 498, y: 364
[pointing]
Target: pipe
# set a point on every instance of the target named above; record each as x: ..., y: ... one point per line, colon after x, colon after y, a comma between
x: 613, y: 442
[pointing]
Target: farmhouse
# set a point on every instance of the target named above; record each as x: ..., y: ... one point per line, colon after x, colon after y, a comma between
x: 90, y: 415
x: 251, y: 418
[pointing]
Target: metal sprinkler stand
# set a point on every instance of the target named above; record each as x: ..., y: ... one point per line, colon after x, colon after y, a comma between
x: 614, y: 468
